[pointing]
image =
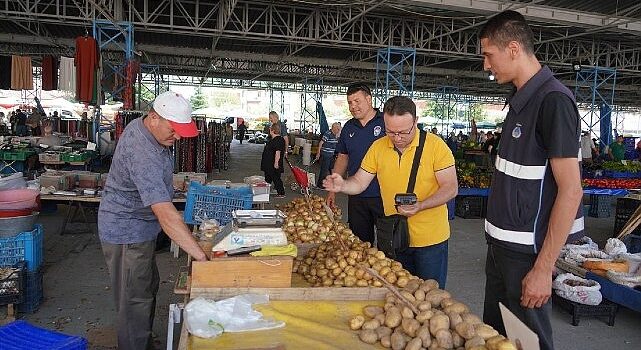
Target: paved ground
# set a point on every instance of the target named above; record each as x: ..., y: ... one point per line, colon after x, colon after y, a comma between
x: 78, y: 299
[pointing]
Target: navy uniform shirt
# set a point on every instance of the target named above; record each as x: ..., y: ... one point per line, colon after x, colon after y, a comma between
x: 141, y: 174
x: 355, y: 141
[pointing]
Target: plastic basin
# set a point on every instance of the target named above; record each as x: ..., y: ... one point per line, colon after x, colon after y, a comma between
x: 11, y: 213
x: 22, y: 198
x: 12, y: 226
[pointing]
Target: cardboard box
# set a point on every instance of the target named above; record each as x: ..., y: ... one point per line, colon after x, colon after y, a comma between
x: 243, y: 272
x: 61, y: 181
x: 181, y: 180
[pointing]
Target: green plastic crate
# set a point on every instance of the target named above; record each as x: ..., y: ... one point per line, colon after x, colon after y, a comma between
x: 75, y: 157
x: 16, y: 154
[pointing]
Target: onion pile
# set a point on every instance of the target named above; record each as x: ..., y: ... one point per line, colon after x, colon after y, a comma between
x: 331, y: 265
x: 305, y: 226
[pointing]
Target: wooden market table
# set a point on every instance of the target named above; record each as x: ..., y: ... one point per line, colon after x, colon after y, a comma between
x: 79, y: 203
x: 315, y: 318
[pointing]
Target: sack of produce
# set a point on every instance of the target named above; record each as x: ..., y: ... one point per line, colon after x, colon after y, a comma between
x: 625, y: 278
x: 578, y: 256
x: 615, y: 246
x: 634, y: 262
x: 577, y: 289
x: 584, y: 243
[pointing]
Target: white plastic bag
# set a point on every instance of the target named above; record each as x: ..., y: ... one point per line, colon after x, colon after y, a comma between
x: 615, y: 246
x: 12, y: 182
x: 207, y: 318
x: 577, y: 256
x: 584, y: 243
x: 634, y: 261
x: 575, y: 288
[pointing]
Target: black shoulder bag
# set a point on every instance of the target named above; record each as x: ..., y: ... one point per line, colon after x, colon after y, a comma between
x: 392, y: 232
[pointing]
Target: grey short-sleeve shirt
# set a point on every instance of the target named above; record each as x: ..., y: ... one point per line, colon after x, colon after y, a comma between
x: 140, y: 175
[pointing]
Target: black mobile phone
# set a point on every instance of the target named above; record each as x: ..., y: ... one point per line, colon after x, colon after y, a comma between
x: 405, y: 198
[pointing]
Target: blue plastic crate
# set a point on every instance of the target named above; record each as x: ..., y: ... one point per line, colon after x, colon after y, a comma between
x: 33, y: 292
x: 25, y: 246
x: 214, y: 202
x: 11, y: 167
x: 20, y: 335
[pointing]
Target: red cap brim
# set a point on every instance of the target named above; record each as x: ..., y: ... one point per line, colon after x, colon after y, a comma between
x: 185, y: 129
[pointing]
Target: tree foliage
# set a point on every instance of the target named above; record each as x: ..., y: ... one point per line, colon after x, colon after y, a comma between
x: 198, y: 100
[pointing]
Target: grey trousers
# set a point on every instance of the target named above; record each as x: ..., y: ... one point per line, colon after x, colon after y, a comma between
x: 134, y: 280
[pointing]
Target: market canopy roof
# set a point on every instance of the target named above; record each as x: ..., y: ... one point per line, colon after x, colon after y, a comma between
x: 281, y: 43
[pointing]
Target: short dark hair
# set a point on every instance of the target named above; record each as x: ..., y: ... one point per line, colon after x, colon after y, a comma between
x: 399, y: 105
x: 356, y: 87
x: 508, y: 26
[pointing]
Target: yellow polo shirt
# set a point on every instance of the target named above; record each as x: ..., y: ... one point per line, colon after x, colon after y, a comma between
x: 429, y: 226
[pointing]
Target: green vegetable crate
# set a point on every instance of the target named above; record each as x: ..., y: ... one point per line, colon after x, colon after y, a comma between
x: 75, y: 157
x: 16, y: 154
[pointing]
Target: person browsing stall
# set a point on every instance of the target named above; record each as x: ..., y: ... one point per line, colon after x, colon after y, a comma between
x: 390, y: 159
x: 534, y: 203
x: 357, y: 136
x: 326, y: 152
x: 272, y: 160
x: 616, y: 150
x: 136, y: 205
x: 284, y: 133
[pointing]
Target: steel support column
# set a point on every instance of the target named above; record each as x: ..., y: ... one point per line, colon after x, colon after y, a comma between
x: 147, y: 86
x: 594, y: 92
x: 311, y: 96
x: 394, y: 71
x: 277, y: 101
x: 447, y: 100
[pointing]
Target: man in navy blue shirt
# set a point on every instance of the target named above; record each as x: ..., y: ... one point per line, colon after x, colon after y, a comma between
x: 357, y: 135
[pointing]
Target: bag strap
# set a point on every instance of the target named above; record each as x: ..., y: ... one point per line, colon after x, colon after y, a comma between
x: 417, y: 160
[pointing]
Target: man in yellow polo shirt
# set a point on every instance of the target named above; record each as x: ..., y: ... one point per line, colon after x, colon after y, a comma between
x: 390, y: 160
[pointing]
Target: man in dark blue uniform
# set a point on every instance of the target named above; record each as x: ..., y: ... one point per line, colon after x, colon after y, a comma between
x: 534, y: 203
x: 358, y: 134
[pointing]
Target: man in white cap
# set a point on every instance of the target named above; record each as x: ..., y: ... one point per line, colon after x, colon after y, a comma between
x: 136, y: 205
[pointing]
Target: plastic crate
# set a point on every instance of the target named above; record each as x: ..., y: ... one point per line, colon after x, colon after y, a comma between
x: 624, y: 210
x: 20, y: 335
x: 605, y: 309
x: 33, y: 292
x: 11, y: 167
x: 17, y: 154
x: 472, y: 207
x: 212, y: 202
x: 620, y: 174
x: 25, y: 246
x: 633, y: 243
x: 12, y: 287
x: 600, y: 206
x: 75, y: 157
x: 49, y: 157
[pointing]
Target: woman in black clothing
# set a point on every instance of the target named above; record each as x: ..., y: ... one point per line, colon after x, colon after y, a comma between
x: 272, y: 160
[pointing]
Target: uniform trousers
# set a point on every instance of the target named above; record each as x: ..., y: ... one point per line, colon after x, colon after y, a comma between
x: 504, y: 271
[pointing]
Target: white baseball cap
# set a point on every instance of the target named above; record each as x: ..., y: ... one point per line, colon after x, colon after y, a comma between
x: 177, y: 110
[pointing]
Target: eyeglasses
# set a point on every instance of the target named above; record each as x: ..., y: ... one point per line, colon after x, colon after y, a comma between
x: 400, y: 133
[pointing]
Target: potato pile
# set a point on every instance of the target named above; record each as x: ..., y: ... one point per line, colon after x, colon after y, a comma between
x: 305, y: 226
x: 441, y: 322
x: 331, y: 265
